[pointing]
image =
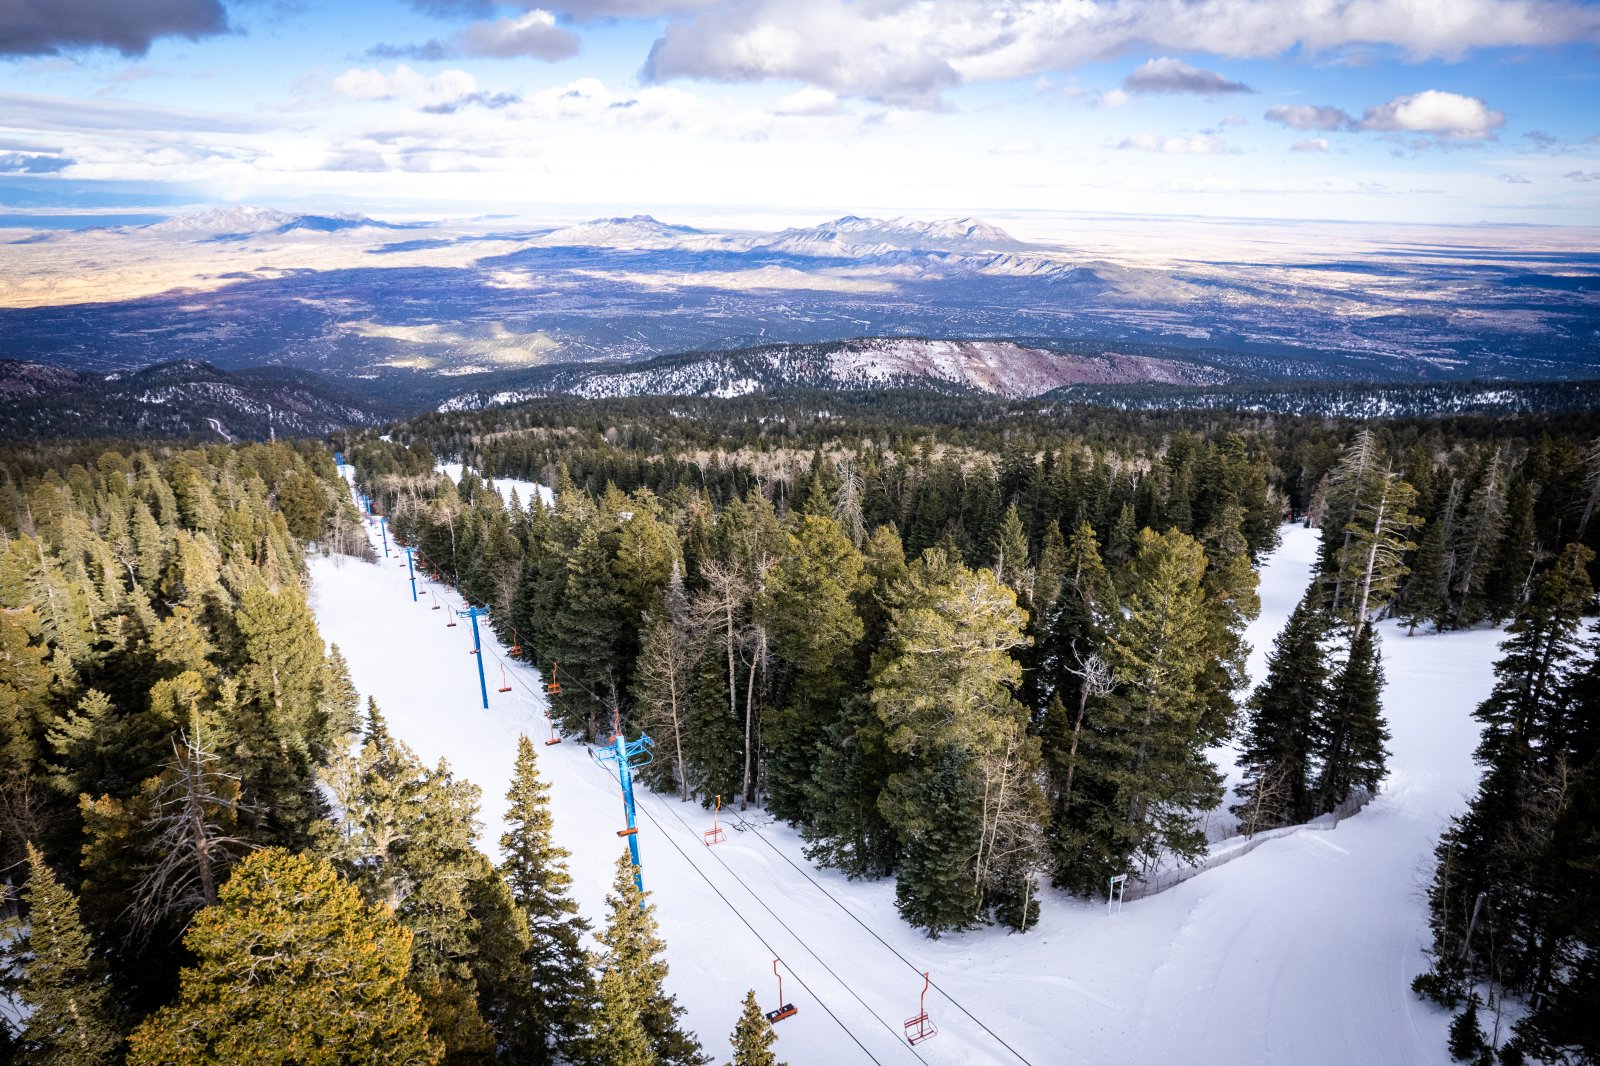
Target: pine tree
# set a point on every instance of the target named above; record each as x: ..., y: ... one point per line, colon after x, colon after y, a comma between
x: 753, y: 1037
x: 536, y: 871
x: 1350, y: 730
x: 1426, y: 588
x: 1480, y: 533
x: 1144, y: 768
x: 1505, y: 863
x: 72, y: 1019
x: 404, y: 837
x: 631, y: 974
x: 1009, y: 556
x: 943, y: 682
x: 587, y: 638
x: 1466, y: 1034
x: 669, y: 648
x: 937, y: 816
x: 292, y: 968
x: 1372, y: 561
x: 811, y: 619
x: 1284, y: 711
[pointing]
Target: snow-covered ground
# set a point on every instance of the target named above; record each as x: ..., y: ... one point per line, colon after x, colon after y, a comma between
x: 525, y: 490
x: 1300, y: 952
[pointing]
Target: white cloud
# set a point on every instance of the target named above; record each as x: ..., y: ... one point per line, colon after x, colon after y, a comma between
x: 810, y: 102
x: 1167, y: 75
x: 1579, y: 175
x: 1015, y: 148
x: 1310, y: 144
x: 1435, y: 111
x: 1199, y: 144
x: 909, y: 52
x: 1310, y: 117
x: 1514, y: 179
x: 1112, y: 98
x: 405, y: 83
x: 534, y: 35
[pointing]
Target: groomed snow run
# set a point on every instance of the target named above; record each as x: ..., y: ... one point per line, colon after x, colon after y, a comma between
x: 1300, y: 952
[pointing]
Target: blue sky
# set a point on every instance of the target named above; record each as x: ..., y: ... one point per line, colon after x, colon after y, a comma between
x: 1399, y: 110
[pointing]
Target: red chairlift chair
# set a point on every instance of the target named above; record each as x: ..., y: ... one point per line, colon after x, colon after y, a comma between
x: 552, y: 689
x: 785, y: 1010
x: 715, y: 835
x: 919, y: 1027
x: 505, y: 681
x: 516, y: 645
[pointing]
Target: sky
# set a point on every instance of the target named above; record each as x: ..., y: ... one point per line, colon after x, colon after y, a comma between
x: 1447, y: 111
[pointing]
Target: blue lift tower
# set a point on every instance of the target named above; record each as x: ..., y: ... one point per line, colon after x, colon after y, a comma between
x: 628, y: 756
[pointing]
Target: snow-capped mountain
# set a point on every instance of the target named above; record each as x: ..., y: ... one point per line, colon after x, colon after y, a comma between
x: 184, y: 398
x: 636, y: 231
x: 995, y: 368
x: 225, y: 223
x: 854, y: 237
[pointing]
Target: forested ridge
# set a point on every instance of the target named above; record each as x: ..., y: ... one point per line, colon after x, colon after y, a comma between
x: 973, y: 649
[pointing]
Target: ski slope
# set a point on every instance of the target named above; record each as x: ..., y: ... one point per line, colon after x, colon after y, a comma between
x: 1299, y: 952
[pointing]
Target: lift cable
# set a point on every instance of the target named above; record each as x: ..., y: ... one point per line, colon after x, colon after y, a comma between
x: 745, y: 825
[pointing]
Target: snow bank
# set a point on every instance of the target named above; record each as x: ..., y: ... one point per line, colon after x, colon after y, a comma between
x: 1300, y: 952
x: 525, y: 490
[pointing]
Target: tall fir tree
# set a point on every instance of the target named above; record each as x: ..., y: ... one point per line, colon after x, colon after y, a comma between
x: 1350, y: 729
x: 1280, y: 738
x: 1144, y: 769
x: 753, y: 1036
x: 72, y: 1017
x: 632, y: 969
x: 562, y: 989
x: 1505, y: 903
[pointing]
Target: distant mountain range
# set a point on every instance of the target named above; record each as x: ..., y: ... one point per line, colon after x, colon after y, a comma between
x: 428, y: 313
x: 178, y: 399
x: 991, y: 368
x: 237, y: 223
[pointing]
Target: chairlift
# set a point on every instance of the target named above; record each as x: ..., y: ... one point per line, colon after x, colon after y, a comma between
x: 516, y: 645
x: 785, y: 1010
x: 452, y: 623
x: 919, y: 1027
x: 554, y: 687
x: 505, y: 681
x: 715, y: 835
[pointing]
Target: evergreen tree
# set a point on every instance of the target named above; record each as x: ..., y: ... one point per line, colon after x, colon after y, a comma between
x: 1144, y: 769
x: 937, y: 816
x: 1350, y: 729
x: 587, y: 638
x: 292, y: 968
x: 1372, y: 561
x: 669, y: 648
x: 404, y: 837
x: 536, y: 870
x: 753, y: 1037
x: 1426, y: 589
x: 942, y: 685
x: 1466, y: 1033
x: 1285, y: 711
x: 810, y: 616
x: 631, y: 974
x: 1479, y: 537
x: 72, y: 1019
x: 1512, y: 891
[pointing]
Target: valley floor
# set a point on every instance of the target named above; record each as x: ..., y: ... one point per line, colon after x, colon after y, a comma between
x: 1300, y: 952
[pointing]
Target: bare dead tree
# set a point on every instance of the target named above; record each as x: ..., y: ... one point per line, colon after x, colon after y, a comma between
x: 195, y: 811
x: 1095, y: 681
